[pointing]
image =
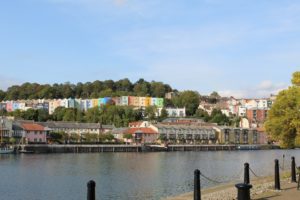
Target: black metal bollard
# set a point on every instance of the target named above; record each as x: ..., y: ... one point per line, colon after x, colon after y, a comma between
x: 277, y: 176
x: 246, y: 173
x: 293, y: 171
x: 197, y: 189
x: 243, y: 191
x: 91, y: 190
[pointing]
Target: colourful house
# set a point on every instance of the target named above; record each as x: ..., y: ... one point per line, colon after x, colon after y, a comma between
x: 94, y: 103
x: 71, y: 103
x: 159, y: 102
x: 148, y: 101
x: 9, y: 106
x: 125, y: 101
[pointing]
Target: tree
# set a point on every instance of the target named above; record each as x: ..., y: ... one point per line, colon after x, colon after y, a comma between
x: 157, y: 89
x: 163, y: 114
x: 150, y: 112
x: 283, y: 121
x: 56, y: 136
x: 296, y: 79
x: 141, y: 88
x: 30, y: 114
x: 188, y: 99
x: 214, y: 97
x: 92, y: 115
x: 42, y: 115
x: 218, y: 117
x: 202, y: 114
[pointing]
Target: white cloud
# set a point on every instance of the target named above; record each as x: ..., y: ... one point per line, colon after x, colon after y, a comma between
x: 263, y: 89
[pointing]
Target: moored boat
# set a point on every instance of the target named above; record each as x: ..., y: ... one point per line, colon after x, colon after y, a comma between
x: 6, y: 150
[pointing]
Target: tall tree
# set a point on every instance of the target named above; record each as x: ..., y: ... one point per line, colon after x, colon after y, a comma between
x: 283, y: 121
x: 188, y: 99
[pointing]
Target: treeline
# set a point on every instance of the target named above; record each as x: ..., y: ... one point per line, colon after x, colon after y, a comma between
x: 96, y: 89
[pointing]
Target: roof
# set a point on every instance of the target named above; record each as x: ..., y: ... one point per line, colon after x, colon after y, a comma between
x: 140, y: 130
x: 32, y: 127
x: 138, y: 123
x: 198, y: 127
x: 75, y: 125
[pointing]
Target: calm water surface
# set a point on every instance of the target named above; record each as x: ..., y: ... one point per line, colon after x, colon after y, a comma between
x: 137, y: 176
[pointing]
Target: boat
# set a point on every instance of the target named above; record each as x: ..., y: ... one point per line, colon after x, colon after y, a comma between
x: 6, y: 150
x: 25, y: 151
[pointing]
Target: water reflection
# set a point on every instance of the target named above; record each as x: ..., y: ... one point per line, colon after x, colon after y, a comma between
x: 126, y: 175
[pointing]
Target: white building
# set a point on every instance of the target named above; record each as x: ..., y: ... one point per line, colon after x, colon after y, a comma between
x: 174, y: 112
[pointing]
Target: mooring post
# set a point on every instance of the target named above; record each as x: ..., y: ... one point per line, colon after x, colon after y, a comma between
x: 246, y: 173
x: 293, y: 171
x: 91, y: 190
x: 243, y: 191
x: 197, y: 186
x: 277, y: 177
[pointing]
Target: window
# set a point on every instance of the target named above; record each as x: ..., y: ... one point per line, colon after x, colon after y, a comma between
x: 41, y: 132
x: 35, y: 140
x: 40, y: 140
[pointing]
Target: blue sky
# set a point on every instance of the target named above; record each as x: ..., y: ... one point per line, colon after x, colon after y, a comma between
x: 240, y: 48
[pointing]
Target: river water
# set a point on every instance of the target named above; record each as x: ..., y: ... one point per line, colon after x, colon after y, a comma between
x: 137, y: 176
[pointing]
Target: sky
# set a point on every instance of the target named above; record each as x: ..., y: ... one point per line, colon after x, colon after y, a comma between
x: 235, y: 47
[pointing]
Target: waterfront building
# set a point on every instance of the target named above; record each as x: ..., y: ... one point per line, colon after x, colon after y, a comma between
x: 183, y: 134
x: 76, y: 127
x: 228, y: 135
x: 143, y: 135
x: 30, y: 131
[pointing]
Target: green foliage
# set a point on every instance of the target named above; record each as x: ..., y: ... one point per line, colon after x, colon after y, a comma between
x: 91, y: 137
x: 283, y: 121
x: 202, y: 114
x: 127, y: 136
x: 56, y: 136
x: 94, y: 89
x: 150, y: 112
x: 163, y: 114
x: 74, y: 137
x: 93, y: 115
x: 188, y: 99
x: 297, y: 141
x: 218, y: 117
x: 296, y: 78
x: 42, y: 115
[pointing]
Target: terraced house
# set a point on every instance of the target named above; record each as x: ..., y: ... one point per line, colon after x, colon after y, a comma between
x: 186, y: 134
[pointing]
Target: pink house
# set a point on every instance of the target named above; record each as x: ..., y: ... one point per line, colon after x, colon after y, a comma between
x: 34, y: 133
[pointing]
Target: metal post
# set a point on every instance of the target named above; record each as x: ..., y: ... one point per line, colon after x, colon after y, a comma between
x: 197, y: 190
x: 246, y: 173
x: 91, y: 190
x: 277, y: 177
x: 293, y: 170
x: 243, y: 191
